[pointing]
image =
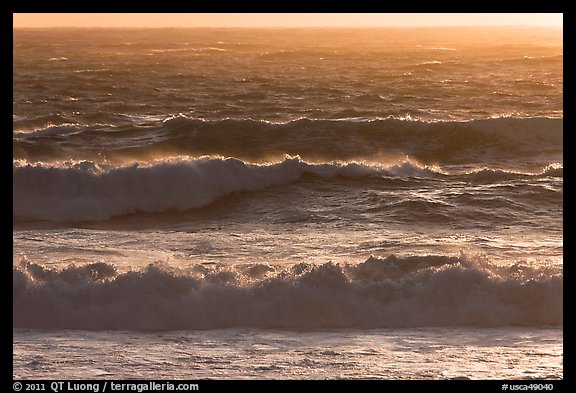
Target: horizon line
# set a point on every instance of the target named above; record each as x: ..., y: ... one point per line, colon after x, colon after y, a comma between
x: 292, y: 27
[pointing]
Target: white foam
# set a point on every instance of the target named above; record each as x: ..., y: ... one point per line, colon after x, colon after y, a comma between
x: 391, y: 292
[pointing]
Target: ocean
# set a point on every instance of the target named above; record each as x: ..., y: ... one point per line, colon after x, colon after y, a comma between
x: 288, y: 203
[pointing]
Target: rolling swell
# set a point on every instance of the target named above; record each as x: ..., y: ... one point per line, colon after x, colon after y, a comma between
x: 345, y: 139
x: 414, y: 291
x: 87, y: 191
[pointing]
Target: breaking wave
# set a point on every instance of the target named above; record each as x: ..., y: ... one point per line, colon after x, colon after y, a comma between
x: 413, y: 291
x: 87, y: 191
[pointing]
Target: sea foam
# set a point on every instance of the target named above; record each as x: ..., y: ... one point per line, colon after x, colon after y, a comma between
x: 429, y: 290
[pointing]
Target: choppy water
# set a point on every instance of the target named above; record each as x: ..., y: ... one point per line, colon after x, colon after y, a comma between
x: 345, y: 188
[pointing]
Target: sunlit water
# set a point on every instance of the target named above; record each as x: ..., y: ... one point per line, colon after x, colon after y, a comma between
x: 425, y: 353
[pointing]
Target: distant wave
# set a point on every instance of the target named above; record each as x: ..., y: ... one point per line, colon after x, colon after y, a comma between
x: 87, y: 191
x: 23, y: 124
x: 488, y: 175
x: 392, y: 292
x: 345, y: 139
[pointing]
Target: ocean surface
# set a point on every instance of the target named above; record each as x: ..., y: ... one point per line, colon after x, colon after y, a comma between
x: 288, y: 203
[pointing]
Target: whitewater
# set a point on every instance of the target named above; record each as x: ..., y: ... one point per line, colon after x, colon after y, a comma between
x: 308, y: 204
